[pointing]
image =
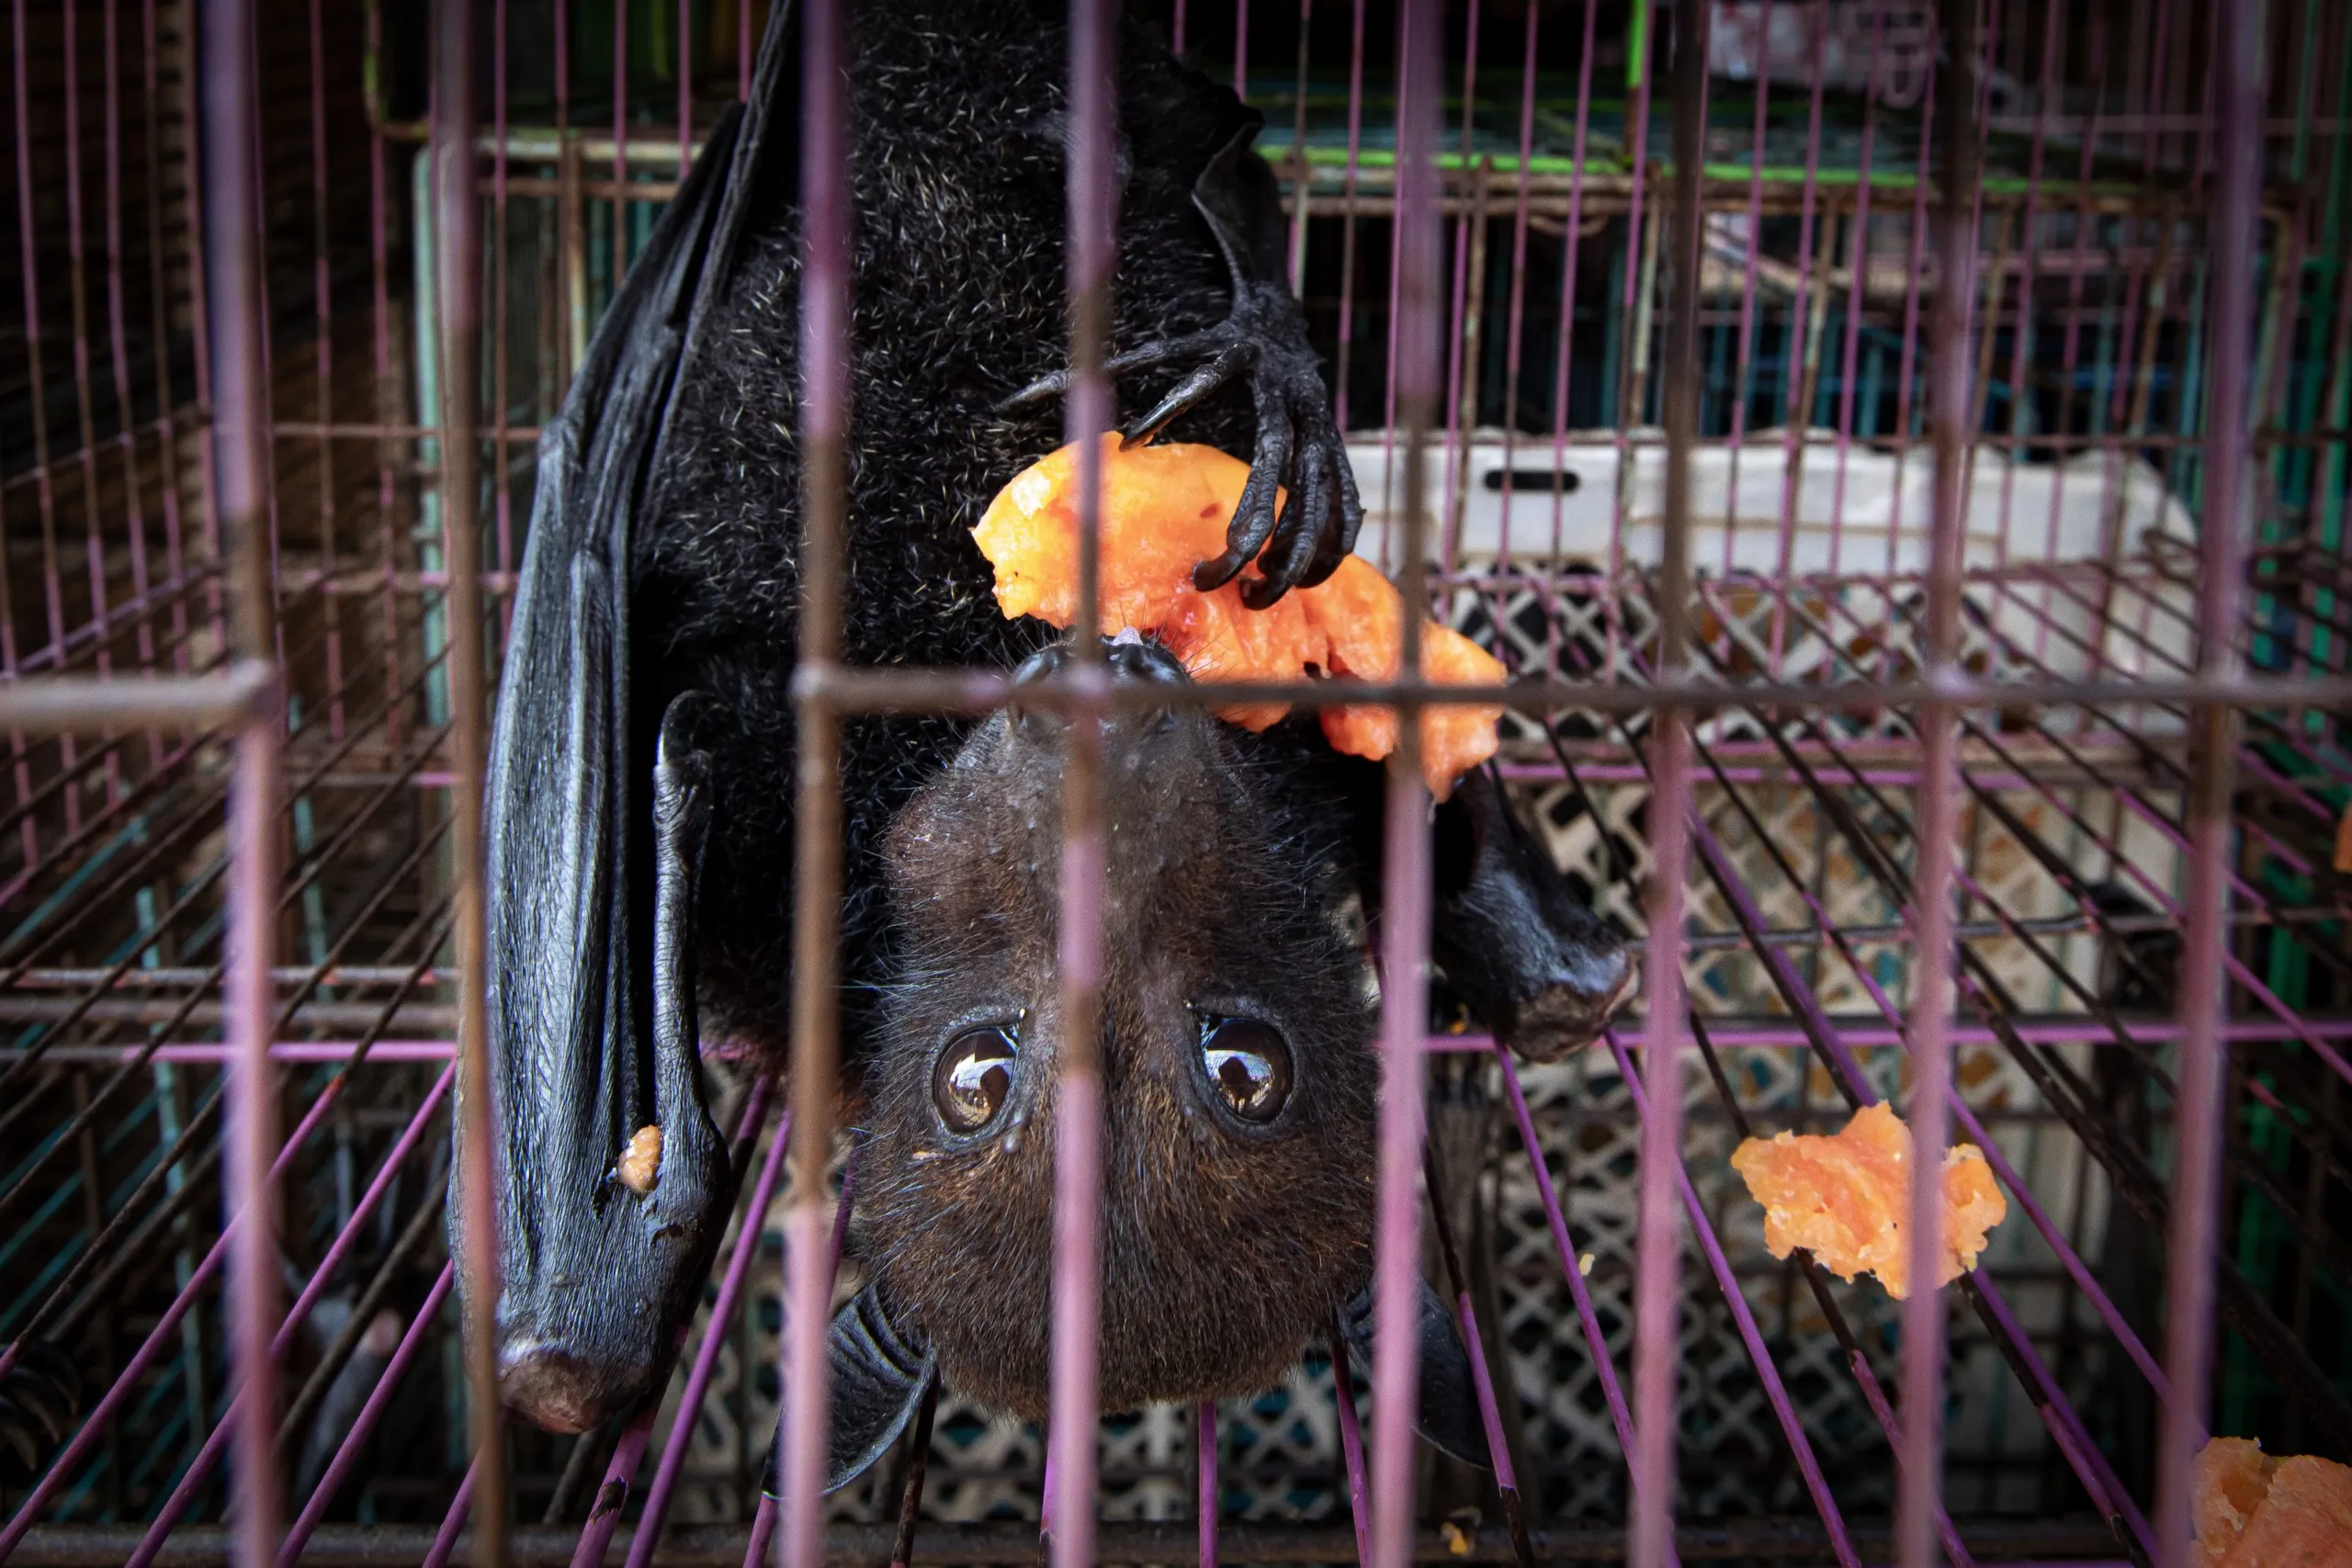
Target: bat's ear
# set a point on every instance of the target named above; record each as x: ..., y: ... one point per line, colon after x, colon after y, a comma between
x: 1446, y: 1412
x: 879, y: 1373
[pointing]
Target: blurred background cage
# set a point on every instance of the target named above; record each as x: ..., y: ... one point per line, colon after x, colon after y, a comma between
x: 2092, y: 364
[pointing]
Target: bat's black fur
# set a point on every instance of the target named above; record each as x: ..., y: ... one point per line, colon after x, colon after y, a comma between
x: 957, y: 121
x: 661, y: 598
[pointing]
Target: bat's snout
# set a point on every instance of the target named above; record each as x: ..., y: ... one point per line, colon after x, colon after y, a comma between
x: 1590, y: 982
x: 1131, y: 656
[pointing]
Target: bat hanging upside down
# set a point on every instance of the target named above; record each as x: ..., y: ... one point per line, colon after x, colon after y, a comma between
x: 639, y: 802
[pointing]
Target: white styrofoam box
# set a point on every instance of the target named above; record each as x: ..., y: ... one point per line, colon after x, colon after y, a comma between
x: 1862, y: 513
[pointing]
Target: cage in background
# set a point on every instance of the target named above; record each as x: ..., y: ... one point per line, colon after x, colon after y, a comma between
x: 2104, y: 135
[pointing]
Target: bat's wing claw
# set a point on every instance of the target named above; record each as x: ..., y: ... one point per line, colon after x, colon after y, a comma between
x: 1446, y: 1413
x: 41, y: 1402
x: 879, y: 1373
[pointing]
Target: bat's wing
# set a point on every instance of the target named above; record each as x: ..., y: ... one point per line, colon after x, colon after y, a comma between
x: 1544, y: 971
x: 612, y: 1183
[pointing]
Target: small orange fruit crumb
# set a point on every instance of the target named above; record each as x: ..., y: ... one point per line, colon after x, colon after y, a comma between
x: 2253, y: 1511
x: 1842, y: 1197
x: 1164, y: 511
x: 640, y: 1164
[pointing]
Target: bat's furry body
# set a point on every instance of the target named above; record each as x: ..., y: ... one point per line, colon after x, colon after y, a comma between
x: 642, y: 769
x: 957, y: 124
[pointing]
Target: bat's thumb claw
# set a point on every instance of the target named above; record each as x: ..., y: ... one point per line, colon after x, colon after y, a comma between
x: 1035, y: 392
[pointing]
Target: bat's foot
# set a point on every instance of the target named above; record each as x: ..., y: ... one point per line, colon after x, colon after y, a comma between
x: 1263, y: 342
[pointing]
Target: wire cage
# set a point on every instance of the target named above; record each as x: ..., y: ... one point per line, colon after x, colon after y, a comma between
x: 1899, y: 451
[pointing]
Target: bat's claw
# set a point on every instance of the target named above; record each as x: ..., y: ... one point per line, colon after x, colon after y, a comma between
x: 1298, y: 446
x: 40, y: 1405
x: 1298, y: 442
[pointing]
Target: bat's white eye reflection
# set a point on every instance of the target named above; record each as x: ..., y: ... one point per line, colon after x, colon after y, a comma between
x: 1250, y: 1064
x: 974, y: 1077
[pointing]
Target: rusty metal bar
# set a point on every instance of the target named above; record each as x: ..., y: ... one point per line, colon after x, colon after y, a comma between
x: 817, y: 807
x: 2228, y: 525
x: 1919, y: 1478
x: 1658, y: 1268
x: 457, y: 260
x: 240, y: 394
x: 60, y: 704
x: 873, y: 689
x: 1088, y: 413
x: 1404, y: 926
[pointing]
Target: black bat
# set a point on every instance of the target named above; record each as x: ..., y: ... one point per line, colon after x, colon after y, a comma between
x: 639, y: 795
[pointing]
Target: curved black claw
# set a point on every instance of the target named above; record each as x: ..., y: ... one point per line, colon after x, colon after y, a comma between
x: 879, y: 1373
x: 1298, y: 447
x: 1446, y: 1402
x: 41, y: 1402
x: 1263, y: 340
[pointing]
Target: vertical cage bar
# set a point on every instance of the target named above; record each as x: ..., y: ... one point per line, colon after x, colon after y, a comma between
x: 240, y: 391
x: 817, y: 819
x: 1207, y: 1505
x: 1092, y: 197
x: 1920, y: 1470
x: 1418, y: 326
x: 1658, y: 1264
x: 253, y: 1118
x: 2213, y: 732
x: 457, y: 262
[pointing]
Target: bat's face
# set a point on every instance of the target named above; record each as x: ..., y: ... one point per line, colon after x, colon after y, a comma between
x: 1237, y: 1067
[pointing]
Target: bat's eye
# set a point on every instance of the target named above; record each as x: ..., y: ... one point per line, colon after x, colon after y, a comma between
x: 1250, y: 1064
x: 974, y: 1078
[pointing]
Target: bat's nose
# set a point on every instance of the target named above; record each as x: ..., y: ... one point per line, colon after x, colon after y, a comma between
x: 1131, y: 656
x: 1137, y: 657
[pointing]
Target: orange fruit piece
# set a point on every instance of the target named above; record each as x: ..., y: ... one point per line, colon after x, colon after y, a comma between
x: 1165, y: 509
x: 2253, y: 1511
x: 1843, y: 1196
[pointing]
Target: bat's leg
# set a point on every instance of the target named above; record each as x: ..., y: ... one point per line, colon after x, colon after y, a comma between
x: 879, y: 1373
x: 615, y: 1210
x: 1446, y: 1412
x: 1539, y: 967
x: 1263, y: 340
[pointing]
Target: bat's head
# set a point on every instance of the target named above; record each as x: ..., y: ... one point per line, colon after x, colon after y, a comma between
x: 1235, y: 1041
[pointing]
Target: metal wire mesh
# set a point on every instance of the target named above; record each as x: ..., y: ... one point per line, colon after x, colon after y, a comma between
x: 238, y: 475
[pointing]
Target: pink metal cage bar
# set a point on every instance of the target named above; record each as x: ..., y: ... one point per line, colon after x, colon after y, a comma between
x: 245, y: 667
